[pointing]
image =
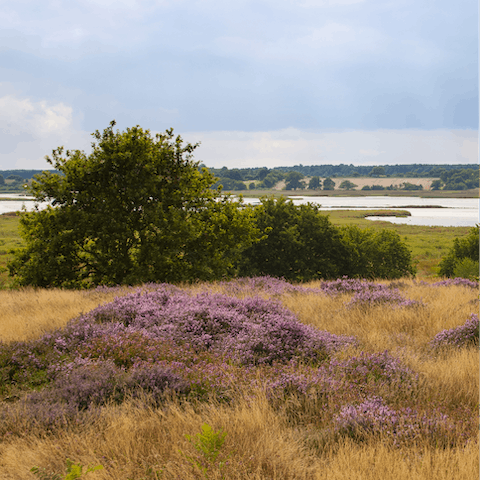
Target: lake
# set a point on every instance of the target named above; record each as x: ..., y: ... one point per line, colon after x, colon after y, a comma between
x: 445, y: 212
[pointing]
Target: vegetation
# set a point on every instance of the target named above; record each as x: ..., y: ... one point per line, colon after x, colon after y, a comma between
x: 137, y: 209
x: 348, y: 185
x: 298, y: 243
x: 342, y: 170
x: 462, y: 258
x: 373, y: 380
x: 328, y: 184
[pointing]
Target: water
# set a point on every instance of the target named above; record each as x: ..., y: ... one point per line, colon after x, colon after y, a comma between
x: 446, y: 212
x: 7, y: 206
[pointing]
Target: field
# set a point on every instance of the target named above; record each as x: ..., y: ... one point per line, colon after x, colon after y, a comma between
x: 249, y: 379
x: 472, y: 193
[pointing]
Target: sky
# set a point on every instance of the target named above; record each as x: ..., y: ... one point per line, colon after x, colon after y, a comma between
x: 256, y: 82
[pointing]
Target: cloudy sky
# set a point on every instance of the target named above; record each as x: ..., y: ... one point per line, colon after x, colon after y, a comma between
x: 257, y: 82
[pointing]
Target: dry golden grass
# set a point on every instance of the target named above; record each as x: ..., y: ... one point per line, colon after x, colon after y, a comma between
x: 262, y: 442
x: 134, y: 443
x: 28, y: 313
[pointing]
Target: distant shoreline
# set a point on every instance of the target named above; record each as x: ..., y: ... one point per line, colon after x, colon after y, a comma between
x: 472, y: 193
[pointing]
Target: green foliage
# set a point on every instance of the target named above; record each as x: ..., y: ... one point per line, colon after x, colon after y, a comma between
x: 436, y: 185
x: 466, y: 268
x: 229, y: 184
x: 377, y: 253
x: 460, y: 179
x: 463, y: 248
x: 298, y: 243
x: 411, y: 186
x: 315, y: 183
x: 348, y: 185
x: 137, y: 209
x: 15, y: 178
x: 271, y: 179
x: 328, y: 184
x: 74, y: 472
x: 293, y: 181
x: 377, y: 171
x: 208, y: 444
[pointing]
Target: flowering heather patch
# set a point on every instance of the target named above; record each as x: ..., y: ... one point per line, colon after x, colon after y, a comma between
x: 250, y: 330
x: 269, y: 285
x: 372, y: 417
x: 382, y: 295
x: 84, y: 382
x: 462, y: 282
x: 378, y: 368
x: 464, y: 335
x: 349, y: 285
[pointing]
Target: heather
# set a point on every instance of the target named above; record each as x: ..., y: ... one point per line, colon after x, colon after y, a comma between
x: 461, y: 336
x: 294, y: 376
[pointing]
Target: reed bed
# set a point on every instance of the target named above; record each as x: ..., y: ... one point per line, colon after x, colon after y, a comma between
x: 375, y: 380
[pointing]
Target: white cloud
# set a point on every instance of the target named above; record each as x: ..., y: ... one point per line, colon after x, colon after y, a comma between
x: 32, y: 129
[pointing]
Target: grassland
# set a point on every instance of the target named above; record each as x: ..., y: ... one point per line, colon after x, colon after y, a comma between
x: 282, y: 434
x: 9, y: 239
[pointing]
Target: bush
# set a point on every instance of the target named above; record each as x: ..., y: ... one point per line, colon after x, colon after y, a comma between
x: 297, y: 243
x: 463, y: 248
x: 464, y: 335
x: 377, y: 253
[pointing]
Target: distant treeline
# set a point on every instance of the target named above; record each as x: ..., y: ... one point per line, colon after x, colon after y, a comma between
x: 414, y: 170
x: 450, y: 177
x: 25, y: 174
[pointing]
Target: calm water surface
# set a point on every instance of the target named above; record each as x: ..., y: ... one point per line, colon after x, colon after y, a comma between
x: 446, y: 212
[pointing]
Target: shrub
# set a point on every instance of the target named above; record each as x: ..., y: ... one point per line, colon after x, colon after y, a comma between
x: 467, y: 247
x: 464, y: 335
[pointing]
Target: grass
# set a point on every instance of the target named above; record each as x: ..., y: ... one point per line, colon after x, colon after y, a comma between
x: 9, y: 239
x: 289, y: 437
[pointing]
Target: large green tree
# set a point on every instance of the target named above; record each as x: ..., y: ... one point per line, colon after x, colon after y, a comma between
x: 136, y: 209
x: 298, y: 243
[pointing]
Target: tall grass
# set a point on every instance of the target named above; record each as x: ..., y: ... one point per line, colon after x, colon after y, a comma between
x: 282, y: 421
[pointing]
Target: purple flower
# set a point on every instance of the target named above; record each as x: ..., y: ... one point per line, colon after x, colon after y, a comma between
x: 464, y: 335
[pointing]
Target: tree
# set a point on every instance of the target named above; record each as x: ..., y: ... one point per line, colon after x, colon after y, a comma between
x: 293, y: 181
x: 377, y: 172
x: 348, y: 185
x: 315, y: 183
x: 377, y: 253
x: 461, y: 249
x: 2, y: 180
x: 328, y: 184
x: 137, y: 209
x: 436, y: 185
x: 297, y: 242
x: 15, y: 178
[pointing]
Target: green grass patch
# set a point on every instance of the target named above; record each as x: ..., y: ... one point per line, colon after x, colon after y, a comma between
x: 9, y: 239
